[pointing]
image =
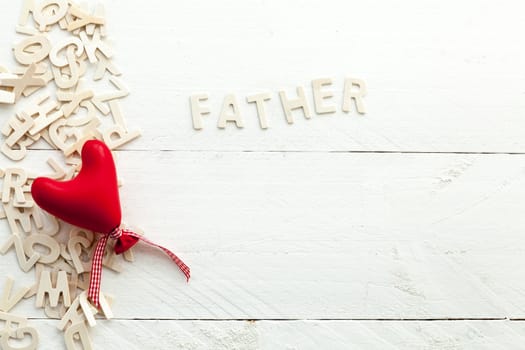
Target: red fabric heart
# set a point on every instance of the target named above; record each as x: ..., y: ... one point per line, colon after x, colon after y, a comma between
x: 91, y: 199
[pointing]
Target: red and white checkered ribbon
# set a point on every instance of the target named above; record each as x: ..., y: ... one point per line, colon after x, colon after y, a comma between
x: 98, y: 257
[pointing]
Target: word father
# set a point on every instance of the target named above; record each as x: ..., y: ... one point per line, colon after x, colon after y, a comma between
x: 353, y: 93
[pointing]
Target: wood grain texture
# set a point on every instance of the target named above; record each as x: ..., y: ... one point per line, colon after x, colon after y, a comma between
x: 440, y: 79
x: 295, y: 335
x: 293, y: 225
x: 315, y: 235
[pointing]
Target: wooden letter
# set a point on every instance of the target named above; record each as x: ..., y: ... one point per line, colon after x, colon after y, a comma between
x: 14, y: 179
x: 15, y: 240
x: 259, y: 99
x: 64, y: 44
x: 83, y: 19
x: 27, y: 8
x: 319, y: 96
x: 230, y: 112
x: 20, y: 334
x: 16, y: 127
x: 122, y: 91
x: 46, y: 241
x: 26, y: 57
x: 197, y: 111
x: 44, y: 112
x: 7, y: 302
x: 19, y: 84
x: 94, y: 45
x: 46, y: 76
x: 6, y: 92
x: 18, y: 150
x: 290, y: 105
x: 45, y: 287
x: 11, y: 323
x: 80, y: 310
x: 357, y: 96
x: 44, y: 19
x: 23, y: 217
x: 75, y: 251
x: 87, y: 307
x: 74, y: 100
x: 80, y: 332
x: 7, y: 97
x: 104, y: 64
x: 116, y: 136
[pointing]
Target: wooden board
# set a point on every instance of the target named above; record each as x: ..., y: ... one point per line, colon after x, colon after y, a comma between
x: 432, y: 86
x: 333, y: 231
x: 304, y: 335
x: 270, y: 236
x: 440, y: 79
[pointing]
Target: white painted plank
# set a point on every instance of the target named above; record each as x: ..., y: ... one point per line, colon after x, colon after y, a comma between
x: 441, y: 75
x: 315, y: 235
x: 318, y: 235
x: 290, y: 335
x: 433, y: 86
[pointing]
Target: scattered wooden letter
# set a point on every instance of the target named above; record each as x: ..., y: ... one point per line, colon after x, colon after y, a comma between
x: 8, y: 301
x: 78, y: 331
x: 11, y: 323
x: 27, y: 8
x: 73, y: 99
x: 18, y: 150
x: 83, y: 19
x: 43, y: 240
x: 94, y: 45
x: 74, y: 248
x: 61, y: 125
x: 43, y: 19
x: 14, y: 181
x: 17, y: 126
x: 116, y: 136
x: 75, y: 314
x: 104, y: 64
x: 19, y: 84
x: 122, y: 91
x: 26, y: 57
x: 62, y: 45
x: 45, y: 287
x: 21, y: 219
x: 87, y: 307
x: 7, y: 97
x: 25, y: 264
x: 44, y: 112
x: 20, y: 335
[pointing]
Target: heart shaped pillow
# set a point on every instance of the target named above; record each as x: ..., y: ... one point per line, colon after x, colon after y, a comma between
x: 91, y: 199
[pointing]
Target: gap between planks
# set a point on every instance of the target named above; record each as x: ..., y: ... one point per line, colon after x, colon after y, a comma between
x: 310, y: 319
x: 302, y: 151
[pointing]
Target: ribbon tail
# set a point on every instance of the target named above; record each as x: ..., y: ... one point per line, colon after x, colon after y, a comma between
x: 98, y: 257
x: 181, y: 265
x: 96, y: 271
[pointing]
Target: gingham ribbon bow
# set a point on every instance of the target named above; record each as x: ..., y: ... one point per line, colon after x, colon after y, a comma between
x: 125, y: 240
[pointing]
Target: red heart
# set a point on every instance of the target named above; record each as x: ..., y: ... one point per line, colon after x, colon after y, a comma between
x: 91, y: 199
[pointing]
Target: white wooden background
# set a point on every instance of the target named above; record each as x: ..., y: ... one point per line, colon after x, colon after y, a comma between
x: 400, y: 229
